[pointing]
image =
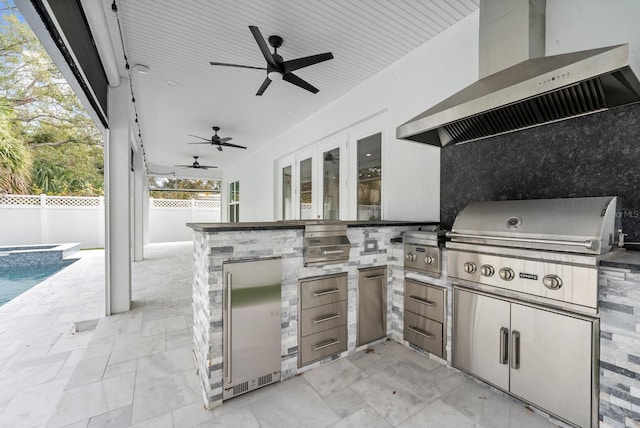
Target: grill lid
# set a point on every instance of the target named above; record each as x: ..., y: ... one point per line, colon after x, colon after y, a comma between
x: 578, y: 225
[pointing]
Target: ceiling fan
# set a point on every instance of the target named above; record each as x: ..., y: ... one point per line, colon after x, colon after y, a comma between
x: 196, y: 165
x: 329, y: 157
x: 277, y: 68
x: 216, y: 140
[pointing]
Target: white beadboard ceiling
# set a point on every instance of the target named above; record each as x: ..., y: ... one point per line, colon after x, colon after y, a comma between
x: 178, y: 39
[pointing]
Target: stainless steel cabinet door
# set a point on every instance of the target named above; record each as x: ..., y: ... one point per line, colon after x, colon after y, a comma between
x: 480, y: 330
x: 372, y: 305
x: 555, y: 357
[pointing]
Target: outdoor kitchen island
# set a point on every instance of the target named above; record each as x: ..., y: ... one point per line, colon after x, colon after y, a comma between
x: 217, y: 243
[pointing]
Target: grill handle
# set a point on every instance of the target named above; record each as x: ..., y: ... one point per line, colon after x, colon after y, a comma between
x: 589, y: 243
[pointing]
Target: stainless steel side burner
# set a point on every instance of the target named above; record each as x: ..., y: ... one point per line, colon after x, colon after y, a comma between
x: 422, y: 250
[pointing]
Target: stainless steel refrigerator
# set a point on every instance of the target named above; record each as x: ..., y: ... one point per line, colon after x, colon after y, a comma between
x: 251, y: 325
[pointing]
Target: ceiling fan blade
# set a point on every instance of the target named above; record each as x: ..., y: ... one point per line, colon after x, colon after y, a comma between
x: 264, y: 86
x: 263, y: 46
x: 204, y: 142
x: 232, y: 145
x: 225, y: 139
x: 206, y: 167
x: 202, y: 138
x: 292, y: 78
x: 185, y: 166
x: 295, y: 64
x: 236, y: 65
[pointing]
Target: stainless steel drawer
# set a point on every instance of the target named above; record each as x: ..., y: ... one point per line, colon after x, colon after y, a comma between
x: 322, y: 290
x: 423, y: 332
x: 424, y: 300
x: 320, y: 318
x: 320, y: 345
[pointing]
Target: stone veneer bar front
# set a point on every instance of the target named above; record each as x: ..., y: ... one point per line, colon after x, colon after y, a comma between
x: 216, y: 243
x: 619, y: 296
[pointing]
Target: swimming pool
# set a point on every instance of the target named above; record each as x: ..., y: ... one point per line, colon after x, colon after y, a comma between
x: 16, y: 280
x: 22, y: 267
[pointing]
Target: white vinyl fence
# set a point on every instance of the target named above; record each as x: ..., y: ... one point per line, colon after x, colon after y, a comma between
x: 167, y: 217
x: 41, y: 219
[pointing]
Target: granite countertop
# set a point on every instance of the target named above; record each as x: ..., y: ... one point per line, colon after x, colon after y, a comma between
x: 297, y: 224
x: 621, y: 258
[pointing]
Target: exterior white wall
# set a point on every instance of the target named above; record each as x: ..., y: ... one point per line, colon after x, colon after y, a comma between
x: 430, y: 73
x: 399, y: 92
x: 575, y: 25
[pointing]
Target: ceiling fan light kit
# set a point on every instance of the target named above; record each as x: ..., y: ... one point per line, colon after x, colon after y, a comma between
x: 277, y: 68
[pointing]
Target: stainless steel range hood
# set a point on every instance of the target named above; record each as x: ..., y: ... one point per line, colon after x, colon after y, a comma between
x: 529, y: 92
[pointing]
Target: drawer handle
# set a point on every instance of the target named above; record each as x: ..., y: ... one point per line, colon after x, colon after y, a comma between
x: 331, y: 252
x: 326, y: 345
x: 422, y: 333
x: 371, y: 278
x: 423, y: 301
x: 329, y: 318
x: 324, y: 293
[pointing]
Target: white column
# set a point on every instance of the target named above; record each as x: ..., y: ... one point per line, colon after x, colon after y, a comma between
x: 117, y: 211
x: 139, y: 194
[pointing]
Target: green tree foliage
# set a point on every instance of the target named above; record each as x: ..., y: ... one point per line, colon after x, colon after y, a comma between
x: 15, y: 158
x: 47, y: 118
x: 181, y: 183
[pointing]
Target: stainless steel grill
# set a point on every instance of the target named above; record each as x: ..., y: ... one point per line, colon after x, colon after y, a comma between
x: 525, y: 278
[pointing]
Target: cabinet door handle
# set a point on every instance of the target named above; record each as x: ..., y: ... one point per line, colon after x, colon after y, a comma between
x: 504, y: 346
x: 328, y: 318
x: 326, y: 345
x: 515, y: 350
x: 324, y: 293
x: 370, y: 278
x: 228, y: 344
x: 421, y: 300
x: 422, y: 333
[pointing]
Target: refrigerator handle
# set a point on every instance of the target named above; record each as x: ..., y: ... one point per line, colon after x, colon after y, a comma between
x: 504, y: 346
x: 228, y: 327
x: 515, y: 351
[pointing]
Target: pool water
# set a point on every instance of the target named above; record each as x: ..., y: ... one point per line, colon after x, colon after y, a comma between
x: 16, y: 280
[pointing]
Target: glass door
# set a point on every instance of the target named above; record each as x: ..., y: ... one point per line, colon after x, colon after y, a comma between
x: 287, y: 193
x: 370, y: 177
x: 331, y: 184
x: 307, y: 185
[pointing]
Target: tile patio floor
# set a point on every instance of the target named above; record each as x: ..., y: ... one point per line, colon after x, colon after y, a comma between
x: 136, y: 369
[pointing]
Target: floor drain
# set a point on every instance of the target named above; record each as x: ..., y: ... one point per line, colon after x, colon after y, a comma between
x: 85, y: 326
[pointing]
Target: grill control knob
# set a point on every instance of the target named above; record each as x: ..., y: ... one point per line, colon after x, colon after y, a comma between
x: 552, y: 282
x: 429, y: 260
x: 507, y: 274
x: 469, y: 267
x: 487, y: 270
x: 411, y: 257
